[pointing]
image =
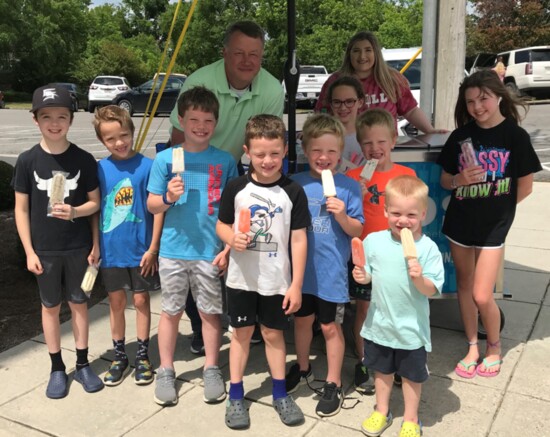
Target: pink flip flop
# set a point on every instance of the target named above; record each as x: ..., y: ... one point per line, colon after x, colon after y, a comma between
x: 463, y: 373
x: 487, y: 365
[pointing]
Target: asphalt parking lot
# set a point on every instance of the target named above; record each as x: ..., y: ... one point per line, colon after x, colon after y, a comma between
x: 18, y: 133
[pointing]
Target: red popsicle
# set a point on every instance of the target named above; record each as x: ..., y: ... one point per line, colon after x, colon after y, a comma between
x: 357, y: 252
x: 244, y: 221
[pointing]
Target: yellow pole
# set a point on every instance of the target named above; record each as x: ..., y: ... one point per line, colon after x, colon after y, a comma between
x: 168, y: 71
x: 408, y: 64
x: 146, y: 115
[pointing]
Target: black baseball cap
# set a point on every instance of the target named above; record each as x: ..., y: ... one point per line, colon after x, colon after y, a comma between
x: 51, y: 97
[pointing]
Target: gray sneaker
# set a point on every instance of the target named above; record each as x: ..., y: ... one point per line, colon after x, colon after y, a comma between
x: 236, y: 414
x: 214, y: 387
x: 165, y: 390
x: 289, y: 411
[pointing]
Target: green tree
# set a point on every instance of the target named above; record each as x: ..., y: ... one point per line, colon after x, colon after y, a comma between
x: 49, y: 37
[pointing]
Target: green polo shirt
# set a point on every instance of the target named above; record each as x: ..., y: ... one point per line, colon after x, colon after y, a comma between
x: 265, y: 96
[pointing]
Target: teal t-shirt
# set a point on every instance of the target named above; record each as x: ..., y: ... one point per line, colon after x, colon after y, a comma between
x: 399, y: 315
x: 189, y: 230
x: 265, y: 96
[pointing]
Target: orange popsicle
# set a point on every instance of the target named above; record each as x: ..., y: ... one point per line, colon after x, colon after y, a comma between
x: 244, y: 221
x: 357, y: 252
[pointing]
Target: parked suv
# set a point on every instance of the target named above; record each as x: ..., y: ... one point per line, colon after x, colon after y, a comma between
x: 79, y: 97
x: 528, y: 70
x: 136, y: 99
x: 104, y: 89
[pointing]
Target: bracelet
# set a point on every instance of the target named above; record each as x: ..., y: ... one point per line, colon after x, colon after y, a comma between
x: 166, y: 202
x: 72, y: 214
x: 453, y: 182
x: 152, y: 252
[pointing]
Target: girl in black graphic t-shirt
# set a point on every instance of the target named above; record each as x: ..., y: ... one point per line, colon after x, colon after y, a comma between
x: 488, y: 162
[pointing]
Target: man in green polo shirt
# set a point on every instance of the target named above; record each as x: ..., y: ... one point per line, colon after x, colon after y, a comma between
x: 243, y: 88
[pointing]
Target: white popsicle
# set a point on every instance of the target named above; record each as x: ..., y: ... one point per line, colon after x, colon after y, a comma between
x: 57, y: 192
x: 178, y: 161
x: 329, y: 190
x: 407, y: 241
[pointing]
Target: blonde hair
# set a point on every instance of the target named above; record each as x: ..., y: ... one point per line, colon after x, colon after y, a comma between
x: 387, y: 78
x: 321, y: 124
x: 407, y: 186
x: 375, y: 117
x: 112, y: 113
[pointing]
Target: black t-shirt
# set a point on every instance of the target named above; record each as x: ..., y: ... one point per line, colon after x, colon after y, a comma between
x: 33, y: 175
x: 482, y: 213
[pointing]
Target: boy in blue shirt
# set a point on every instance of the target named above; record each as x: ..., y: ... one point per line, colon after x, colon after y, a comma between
x: 397, y: 328
x: 191, y: 256
x: 129, y: 239
x: 335, y: 220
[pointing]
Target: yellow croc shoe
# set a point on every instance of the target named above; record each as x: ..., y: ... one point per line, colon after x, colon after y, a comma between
x: 376, y: 423
x: 411, y: 429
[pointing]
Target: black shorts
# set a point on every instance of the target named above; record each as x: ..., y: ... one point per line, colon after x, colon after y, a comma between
x: 62, y: 277
x: 356, y: 290
x: 326, y: 312
x: 410, y: 364
x: 122, y: 278
x: 244, y: 306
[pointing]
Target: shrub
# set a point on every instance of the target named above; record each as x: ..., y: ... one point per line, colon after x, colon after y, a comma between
x: 7, y: 196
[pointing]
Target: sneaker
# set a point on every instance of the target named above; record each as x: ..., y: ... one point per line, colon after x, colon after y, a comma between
x: 236, y: 414
x: 256, y: 335
x: 143, y: 374
x: 116, y: 373
x: 296, y: 377
x: 57, y: 385
x: 376, y: 424
x: 331, y: 402
x: 214, y: 387
x: 289, y: 411
x: 411, y: 429
x: 197, y: 344
x: 363, y: 382
x: 397, y: 380
x: 165, y: 391
x: 89, y: 380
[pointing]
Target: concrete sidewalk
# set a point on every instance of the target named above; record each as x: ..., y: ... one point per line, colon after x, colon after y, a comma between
x: 517, y: 402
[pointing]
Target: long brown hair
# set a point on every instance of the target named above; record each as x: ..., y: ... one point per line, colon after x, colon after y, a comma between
x: 488, y: 81
x: 389, y: 79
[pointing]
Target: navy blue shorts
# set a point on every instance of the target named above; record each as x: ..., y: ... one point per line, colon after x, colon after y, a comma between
x: 410, y: 364
x: 326, y: 312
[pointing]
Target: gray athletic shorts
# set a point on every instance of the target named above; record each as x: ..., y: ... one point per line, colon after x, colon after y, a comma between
x: 178, y: 276
x: 128, y: 278
x: 62, y: 277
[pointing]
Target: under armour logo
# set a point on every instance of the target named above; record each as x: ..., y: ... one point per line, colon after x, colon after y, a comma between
x: 241, y: 319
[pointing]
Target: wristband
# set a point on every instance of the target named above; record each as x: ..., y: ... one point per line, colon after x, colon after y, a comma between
x: 453, y: 182
x: 165, y: 200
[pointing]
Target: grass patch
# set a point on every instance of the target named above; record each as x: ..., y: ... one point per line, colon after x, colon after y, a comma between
x: 19, y: 105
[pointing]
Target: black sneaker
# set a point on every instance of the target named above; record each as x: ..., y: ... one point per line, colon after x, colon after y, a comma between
x: 256, y: 335
x: 296, y: 377
x: 363, y: 383
x: 331, y: 402
x: 197, y: 344
x: 397, y: 380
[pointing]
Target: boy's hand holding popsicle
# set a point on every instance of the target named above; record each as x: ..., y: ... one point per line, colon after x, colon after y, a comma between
x: 241, y: 238
x: 359, y: 273
x: 409, y: 251
x: 175, y: 185
x: 334, y: 205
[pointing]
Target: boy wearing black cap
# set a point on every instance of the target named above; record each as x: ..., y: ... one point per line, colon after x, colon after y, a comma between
x: 56, y: 189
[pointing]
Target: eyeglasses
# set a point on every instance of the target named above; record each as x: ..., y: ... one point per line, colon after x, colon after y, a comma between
x: 338, y: 103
